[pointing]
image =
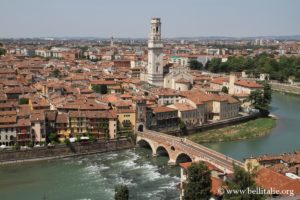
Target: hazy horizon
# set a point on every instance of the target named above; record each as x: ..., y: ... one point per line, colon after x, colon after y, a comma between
x: 131, y: 18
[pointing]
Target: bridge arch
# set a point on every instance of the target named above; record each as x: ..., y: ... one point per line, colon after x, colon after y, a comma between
x: 162, y: 151
x: 183, y: 157
x: 140, y: 127
x: 146, y: 144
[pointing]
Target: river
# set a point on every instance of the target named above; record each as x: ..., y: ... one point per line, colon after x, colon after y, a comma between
x: 94, y: 177
x: 91, y: 177
x: 284, y: 138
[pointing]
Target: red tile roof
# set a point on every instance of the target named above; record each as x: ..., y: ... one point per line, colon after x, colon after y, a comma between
x: 248, y: 84
x: 162, y: 109
x: 269, y: 179
x: 210, y: 166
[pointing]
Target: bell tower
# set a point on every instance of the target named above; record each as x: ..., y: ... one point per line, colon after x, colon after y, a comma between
x: 155, y: 54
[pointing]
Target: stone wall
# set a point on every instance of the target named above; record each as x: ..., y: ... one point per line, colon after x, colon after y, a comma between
x: 218, y: 124
x: 82, y: 148
x: 285, y: 88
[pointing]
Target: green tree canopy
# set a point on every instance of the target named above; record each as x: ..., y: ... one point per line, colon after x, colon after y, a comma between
x: 195, y: 65
x: 56, y: 73
x: 52, y: 137
x: 242, y: 180
x: 279, y: 69
x: 121, y: 192
x: 23, y: 101
x: 224, y: 89
x: 182, y: 127
x: 261, y: 99
x: 101, y: 89
x: 198, y: 182
x: 2, y: 51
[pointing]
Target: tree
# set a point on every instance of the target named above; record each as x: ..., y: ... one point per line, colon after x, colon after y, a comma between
x: 267, y: 92
x: 198, y: 182
x: 261, y: 99
x: 101, y: 89
x: 279, y: 69
x: 182, y: 127
x: 224, y: 89
x: 2, y: 51
x: 23, y: 101
x: 242, y: 180
x: 52, y: 137
x: 67, y: 141
x: 121, y: 192
x: 214, y: 65
x: 195, y: 65
x: 92, y: 138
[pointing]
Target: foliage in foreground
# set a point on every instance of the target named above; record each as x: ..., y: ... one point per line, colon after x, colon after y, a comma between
x: 198, y: 182
x: 242, y: 180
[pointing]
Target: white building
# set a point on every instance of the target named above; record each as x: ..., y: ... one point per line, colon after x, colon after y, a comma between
x: 179, y: 78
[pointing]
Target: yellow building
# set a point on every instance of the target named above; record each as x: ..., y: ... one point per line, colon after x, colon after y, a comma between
x: 126, y: 120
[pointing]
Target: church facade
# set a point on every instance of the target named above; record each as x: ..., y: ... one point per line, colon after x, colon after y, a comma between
x: 179, y: 78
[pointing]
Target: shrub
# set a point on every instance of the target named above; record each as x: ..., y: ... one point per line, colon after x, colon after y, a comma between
x: 67, y: 141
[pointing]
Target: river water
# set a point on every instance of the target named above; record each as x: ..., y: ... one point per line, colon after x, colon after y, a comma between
x: 94, y: 177
x: 91, y: 177
x: 284, y: 138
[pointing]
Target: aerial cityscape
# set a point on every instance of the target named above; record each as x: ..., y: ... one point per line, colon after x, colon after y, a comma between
x: 188, y: 100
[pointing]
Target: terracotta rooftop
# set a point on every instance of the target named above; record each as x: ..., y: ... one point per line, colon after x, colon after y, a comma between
x: 8, y: 119
x: 62, y: 118
x: 184, y: 107
x: 161, y: 109
x: 182, y: 80
x: 24, y: 122
x: 103, y: 82
x: 267, y: 178
x: 248, y: 84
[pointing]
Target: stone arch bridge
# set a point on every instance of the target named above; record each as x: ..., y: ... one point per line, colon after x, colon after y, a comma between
x: 183, y: 150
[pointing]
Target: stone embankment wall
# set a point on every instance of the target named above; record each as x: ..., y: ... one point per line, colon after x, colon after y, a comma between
x: 62, y: 150
x: 285, y: 88
x: 218, y: 124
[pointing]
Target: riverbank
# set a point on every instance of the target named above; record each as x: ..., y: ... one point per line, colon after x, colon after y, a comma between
x: 285, y: 88
x: 254, y: 128
x: 61, y: 151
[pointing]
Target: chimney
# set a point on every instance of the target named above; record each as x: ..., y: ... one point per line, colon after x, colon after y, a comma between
x: 297, y: 171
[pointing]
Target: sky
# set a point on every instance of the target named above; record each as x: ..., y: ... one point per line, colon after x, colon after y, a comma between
x: 131, y: 18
